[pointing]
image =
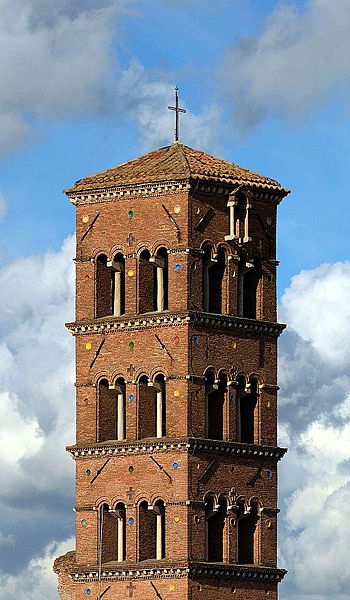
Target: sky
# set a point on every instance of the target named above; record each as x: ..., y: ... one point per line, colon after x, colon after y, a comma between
x: 85, y: 85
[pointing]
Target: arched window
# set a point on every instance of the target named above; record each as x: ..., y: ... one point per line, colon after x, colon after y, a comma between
x: 118, y: 285
x: 147, y: 283
x: 247, y: 534
x: 160, y: 289
x: 111, y: 410
x: 249, y: 276
x: 108, y: 534
x: 212, y: 285
x: 152, y: 531
x: 247, y: 411
x: 107, y: 412
x: 103, y: 287
x: 215, y: 400
x: 215, y: 526
x: 121, y: 531
x: 152, y: 407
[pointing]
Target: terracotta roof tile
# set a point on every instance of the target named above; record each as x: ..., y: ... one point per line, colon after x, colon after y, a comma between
x: 171, y: 163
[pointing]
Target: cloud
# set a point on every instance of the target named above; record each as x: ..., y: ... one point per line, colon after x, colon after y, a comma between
x: 297, y: 63
x: 315, y: 424
x: 56, y: 61
x: 36, y: 408
x: 37, y: 579
x: 144, y: 96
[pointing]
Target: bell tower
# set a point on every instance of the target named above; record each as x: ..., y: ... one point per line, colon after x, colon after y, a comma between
x: 176, y: 382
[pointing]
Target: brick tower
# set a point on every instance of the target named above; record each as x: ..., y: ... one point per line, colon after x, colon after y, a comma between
x: 176, y: 382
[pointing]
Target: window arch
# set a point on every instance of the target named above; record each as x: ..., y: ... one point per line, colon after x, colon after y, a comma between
x: 247, y: 535
x: 103, y: 287
x: 216, y: 529
x: 215, y: 393
x: 107, y: 534
x: 152, y: 407
x: 147, y: 283
x: 247, y: 411
x: 111, y: 410
x: 152, y: 531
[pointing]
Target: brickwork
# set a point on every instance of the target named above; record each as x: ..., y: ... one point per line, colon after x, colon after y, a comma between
x: 203, y: 372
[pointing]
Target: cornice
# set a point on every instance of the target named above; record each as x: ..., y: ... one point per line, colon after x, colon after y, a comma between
x: 113, y: 193
x: 202, y: 185
x: 132, y: 571
x: 190, y: 445
x: 237, y: 571
x: 108, y: 325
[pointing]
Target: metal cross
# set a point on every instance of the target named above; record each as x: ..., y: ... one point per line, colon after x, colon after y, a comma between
x: 130, y: 493
x: 177, y: 110
x: 131, y: 587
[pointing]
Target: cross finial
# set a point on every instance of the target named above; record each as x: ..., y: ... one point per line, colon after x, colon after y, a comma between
x: 177, y: 110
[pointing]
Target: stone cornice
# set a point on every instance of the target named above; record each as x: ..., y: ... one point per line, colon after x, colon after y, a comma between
x: 191, y: 445
x: 165, y: 569
x: 111, y: 324
x: 111, y: 194
x: 202, y: 185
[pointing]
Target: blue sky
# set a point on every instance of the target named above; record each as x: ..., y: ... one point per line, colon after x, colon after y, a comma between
x: 85, y: 85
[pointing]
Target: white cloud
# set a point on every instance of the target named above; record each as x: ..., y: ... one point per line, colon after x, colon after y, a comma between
x: 36, y: 409
x: 296, y: 64
x: 315, y: 424
x: 317, y: 308
x: 18, y: 437
x: 144, y: 97
x: 56, y: 59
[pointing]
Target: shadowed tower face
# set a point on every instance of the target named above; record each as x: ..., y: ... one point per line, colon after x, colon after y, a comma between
x: 176, y: 382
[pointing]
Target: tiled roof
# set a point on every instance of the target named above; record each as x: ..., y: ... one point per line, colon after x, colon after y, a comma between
x: 172, y: 163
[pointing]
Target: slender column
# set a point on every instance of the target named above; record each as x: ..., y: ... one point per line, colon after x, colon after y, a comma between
x: 121, y: 416
x: 160, y: 289
x: 246, y: 223
x: 159, y: 534
x: 159, y: 413
x: 117, y: 305
x: 120, y: 536
x: 232, y: 223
